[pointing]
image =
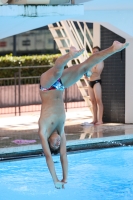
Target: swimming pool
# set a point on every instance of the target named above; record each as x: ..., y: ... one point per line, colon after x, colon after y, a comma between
x: 93, y: 175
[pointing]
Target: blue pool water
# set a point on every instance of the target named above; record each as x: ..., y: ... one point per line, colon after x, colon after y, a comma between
x: 94, y: 175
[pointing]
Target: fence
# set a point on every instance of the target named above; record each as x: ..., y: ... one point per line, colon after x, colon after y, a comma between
x: 20, y: 94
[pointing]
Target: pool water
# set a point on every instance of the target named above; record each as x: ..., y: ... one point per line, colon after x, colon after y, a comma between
x: 93, y: 175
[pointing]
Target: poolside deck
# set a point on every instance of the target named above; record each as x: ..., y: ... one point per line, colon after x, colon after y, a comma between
x: 19, y: 133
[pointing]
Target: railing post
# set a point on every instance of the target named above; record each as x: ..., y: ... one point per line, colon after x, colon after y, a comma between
x: 19, y: 87
x: 15, y: 93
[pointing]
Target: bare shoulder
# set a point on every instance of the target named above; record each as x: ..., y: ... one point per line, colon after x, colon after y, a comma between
x: 101, y: 65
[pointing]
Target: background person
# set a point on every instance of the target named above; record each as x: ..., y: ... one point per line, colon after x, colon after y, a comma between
x: 95, y: 90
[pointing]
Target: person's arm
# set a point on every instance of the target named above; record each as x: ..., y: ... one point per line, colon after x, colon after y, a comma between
x: 49, y: 161
x: 63, y: 158
x: 48, y: 156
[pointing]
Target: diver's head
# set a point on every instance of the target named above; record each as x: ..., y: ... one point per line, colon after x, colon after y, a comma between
x: 54, y: 142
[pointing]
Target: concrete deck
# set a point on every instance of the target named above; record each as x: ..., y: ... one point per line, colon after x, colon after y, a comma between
x: 24, y: 130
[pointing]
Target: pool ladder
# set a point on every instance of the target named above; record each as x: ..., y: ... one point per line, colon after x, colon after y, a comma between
x: 65, y: 34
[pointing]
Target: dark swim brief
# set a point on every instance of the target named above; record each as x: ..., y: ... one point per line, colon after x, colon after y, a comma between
x: 92, y: 83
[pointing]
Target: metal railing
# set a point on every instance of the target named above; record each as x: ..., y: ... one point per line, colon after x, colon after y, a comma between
x: 21, y: 94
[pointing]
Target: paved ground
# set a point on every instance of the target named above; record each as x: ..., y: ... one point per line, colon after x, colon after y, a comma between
x: 22, y: 130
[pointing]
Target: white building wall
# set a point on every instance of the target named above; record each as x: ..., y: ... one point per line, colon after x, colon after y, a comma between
x: 129, y: 83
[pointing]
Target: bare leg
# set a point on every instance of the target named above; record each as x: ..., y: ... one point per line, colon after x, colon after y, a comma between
x: 94, y: 104
x: 98, y: 96
x: 72, y: 74
x: 54, y: 73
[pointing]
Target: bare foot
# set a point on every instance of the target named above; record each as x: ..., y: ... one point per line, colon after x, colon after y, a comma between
x: 92, y: 122
x: 119, y: 46
x: 74, y: 53
x: 98, y: 123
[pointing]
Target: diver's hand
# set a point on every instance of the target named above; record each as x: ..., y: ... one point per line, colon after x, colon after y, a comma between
x: 59, y: 185
x: 64, y: 182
